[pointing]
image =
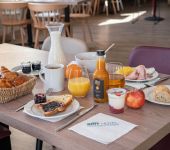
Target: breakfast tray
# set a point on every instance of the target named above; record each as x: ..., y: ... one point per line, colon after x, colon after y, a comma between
x: 8, y: 94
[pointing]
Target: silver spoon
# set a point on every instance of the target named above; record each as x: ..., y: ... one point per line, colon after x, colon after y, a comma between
x: 113, y: 44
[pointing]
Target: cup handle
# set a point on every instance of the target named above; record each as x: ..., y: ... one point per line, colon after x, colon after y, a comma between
x: 41, y: 77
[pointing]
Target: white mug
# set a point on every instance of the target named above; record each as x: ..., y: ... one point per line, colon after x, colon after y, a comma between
x: 54, y: 77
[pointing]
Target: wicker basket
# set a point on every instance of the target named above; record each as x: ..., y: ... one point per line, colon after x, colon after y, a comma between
x: 8, y: 94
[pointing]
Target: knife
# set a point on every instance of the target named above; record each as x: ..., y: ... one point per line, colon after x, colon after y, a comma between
x: 159, y: 81
x: 75, y: 118
x: 21, y: 107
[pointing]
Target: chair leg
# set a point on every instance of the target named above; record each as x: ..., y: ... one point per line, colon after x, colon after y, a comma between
x: 22, y: 36
x: 121, y: 4
x: 4, y: 34
x: 39, y: 144
x: 36, y: 44
x: 117, y: 3
x: 114, y: 7
x: 107, y: 7
x: 89, y: 31
x: 67, y: 31
x: 5, y: 143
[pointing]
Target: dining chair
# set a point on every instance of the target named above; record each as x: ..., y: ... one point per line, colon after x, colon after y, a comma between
x: 13, y: 15
x: 81, y: 12
x: 119, y: 4
x: 71, y: 46
x: 151, y: 56
x: 5, y: 141
x: 44, y: 13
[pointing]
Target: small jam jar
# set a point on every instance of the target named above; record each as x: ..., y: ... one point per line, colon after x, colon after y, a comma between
x: 116, y: 98
x: 26, y: 67
x: 36, y: 65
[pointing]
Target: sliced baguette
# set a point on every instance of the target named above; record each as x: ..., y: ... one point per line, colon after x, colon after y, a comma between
x: 56, y: 104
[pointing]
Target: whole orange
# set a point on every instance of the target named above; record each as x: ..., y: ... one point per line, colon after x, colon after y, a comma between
x: 73, y: 70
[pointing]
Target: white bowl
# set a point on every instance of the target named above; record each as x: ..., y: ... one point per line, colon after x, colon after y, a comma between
x: 87, y: 59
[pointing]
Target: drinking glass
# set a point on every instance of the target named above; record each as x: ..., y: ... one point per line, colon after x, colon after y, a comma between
x: 116, y: 75
x: 78, y: 82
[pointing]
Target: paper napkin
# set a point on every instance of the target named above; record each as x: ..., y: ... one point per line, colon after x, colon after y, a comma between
x: 139, y: 85
x: 103, y: 128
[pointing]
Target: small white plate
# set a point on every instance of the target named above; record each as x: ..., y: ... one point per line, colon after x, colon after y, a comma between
x: 19, y: 69
x: 150, y: 77
x: 149, y: 97
x: 30, y: 109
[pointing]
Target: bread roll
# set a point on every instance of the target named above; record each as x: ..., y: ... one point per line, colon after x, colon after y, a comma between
x: 20, y: 79
x: 161, y: 93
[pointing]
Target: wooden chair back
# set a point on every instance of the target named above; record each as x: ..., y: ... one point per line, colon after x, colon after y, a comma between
x: 43, y: 13
x: 81, y: 10
x: 13, y: 13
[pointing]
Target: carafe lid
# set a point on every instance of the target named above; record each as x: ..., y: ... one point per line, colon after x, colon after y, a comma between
x: 100, y: 52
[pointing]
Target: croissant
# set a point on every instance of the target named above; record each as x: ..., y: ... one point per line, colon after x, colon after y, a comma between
x: 4, y: 70
x: 5, y: 84
x: 20, y: 79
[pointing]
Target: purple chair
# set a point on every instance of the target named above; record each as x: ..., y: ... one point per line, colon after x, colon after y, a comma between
x: 5, y: 141
x: 158, y: 57
x: 150, y: 56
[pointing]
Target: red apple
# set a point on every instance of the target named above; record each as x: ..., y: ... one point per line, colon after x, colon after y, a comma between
x: 135, y: 99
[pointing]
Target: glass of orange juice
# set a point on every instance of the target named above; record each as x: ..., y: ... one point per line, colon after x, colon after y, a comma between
x: 116, y: 75
x: 79, y: 82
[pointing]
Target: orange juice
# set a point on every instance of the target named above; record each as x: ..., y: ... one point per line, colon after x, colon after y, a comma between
x: 100, y: 79
x: 79, y: 87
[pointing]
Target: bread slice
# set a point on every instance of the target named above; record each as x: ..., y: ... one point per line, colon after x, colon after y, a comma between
x: 55, y: 104
x: 161, y: 93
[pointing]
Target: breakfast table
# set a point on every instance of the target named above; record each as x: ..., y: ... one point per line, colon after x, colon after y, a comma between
x: 153, y: 120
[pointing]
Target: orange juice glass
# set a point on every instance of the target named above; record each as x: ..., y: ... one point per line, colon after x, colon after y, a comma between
x: 78, y: 85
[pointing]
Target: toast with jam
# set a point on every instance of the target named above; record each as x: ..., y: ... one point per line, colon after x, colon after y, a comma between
x: 54, y: 104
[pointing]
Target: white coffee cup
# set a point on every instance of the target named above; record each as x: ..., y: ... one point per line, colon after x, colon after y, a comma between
x: 54, y: 77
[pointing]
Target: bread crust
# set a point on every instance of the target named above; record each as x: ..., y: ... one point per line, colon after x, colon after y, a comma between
x: 161, y: 93
x: 61, y: 102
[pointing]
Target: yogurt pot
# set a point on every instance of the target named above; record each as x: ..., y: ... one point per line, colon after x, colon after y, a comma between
x: 116, y: 98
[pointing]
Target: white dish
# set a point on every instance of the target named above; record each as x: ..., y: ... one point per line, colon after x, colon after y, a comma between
x: 30, y: 109
x: 149, y: 96
x: 150, y: 77
x: 19, y: 69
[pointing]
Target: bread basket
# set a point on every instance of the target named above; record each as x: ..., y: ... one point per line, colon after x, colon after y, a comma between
x: 8, y: 94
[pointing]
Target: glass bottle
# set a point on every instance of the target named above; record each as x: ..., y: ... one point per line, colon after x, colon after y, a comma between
x: 56, y: 53
x: 100, y: 79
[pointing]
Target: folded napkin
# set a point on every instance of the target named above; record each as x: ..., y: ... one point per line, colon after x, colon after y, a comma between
x: 139, y: 85
x: 103, y: 128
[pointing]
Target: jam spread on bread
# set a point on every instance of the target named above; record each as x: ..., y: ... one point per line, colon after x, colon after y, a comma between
x: 51, y: 106
x: 40, y: 98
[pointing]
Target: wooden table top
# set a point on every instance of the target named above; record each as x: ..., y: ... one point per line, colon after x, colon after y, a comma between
x: 153, y: 120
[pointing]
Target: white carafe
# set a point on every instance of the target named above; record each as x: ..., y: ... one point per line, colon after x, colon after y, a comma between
x: 56, y: 53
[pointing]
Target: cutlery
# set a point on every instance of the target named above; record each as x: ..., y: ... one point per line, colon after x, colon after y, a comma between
x: 21, y: 107
x: 159, y: 81
x: 75, y: 118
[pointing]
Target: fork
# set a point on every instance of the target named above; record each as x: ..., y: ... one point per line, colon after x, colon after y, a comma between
x: 159, y: 81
